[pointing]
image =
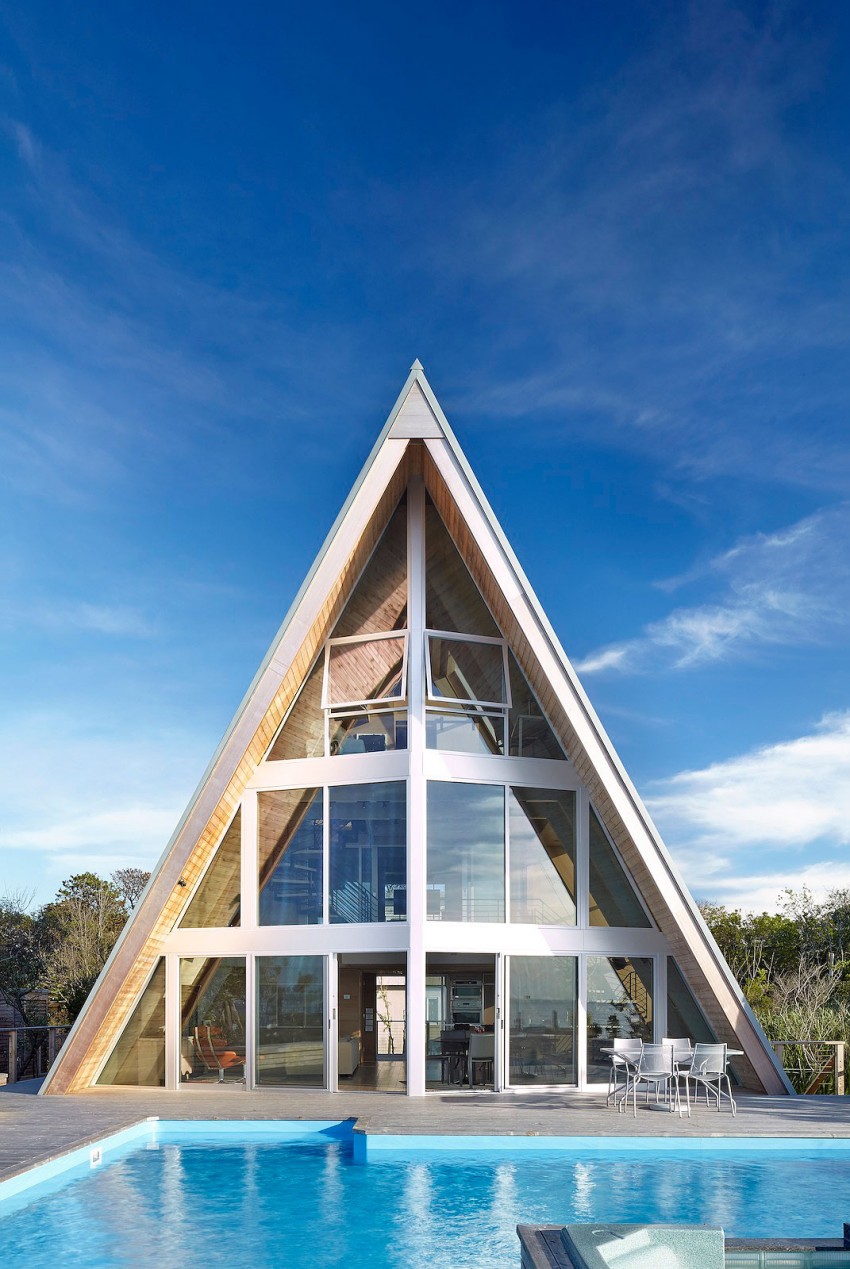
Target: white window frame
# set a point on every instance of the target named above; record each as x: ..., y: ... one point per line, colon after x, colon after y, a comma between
x: 346, y: 706
x: 462, y: 704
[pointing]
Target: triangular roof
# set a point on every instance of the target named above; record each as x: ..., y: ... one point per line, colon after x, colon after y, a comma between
x: 415, y: 440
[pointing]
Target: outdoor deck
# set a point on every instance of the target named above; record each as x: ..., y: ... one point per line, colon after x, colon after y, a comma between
x: 35, y: 1129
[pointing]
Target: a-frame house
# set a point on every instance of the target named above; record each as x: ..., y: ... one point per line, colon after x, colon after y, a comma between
x: 415, y: 858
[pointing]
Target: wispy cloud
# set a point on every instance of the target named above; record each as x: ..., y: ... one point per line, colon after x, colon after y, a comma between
x: 64, y: 616
x: 97, y: 797
x: 790, y: 588
x: 650, y: 240
x: 783, y: 799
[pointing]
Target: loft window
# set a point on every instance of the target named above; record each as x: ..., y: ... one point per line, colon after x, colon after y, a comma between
x: 365, y: 670
x: 467, y: 670
x: 364, y: 693
x: 468, y: 692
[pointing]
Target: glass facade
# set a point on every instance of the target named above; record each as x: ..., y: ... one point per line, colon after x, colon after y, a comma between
x: 452, y: 600
x: 542, y: 835
x: 542, y: 1019
x: 619, y: 1006
x: 139, y: 1055
x: 216, y: 902
x: 212, y: 1018
x: 365, y: 670
x: 303, y: 732
x: 290, y: 853
x: 612, y: 899
x: 466, y: 852
x: 290, y: 1045
x: 368, y: 852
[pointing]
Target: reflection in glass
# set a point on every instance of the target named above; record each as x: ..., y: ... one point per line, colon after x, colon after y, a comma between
x: 619, y: 1006
x: 139, y: 1053
x: 216, y: 902
x: 684, y: 1016
x: 303, y: 732
x: 466, y: 852
x: 368, y: 670
x: 452, y: 600
x: 377, y: 731
x: 290, y: 857
x: 530, y: 734
x: 465, y: 670
x: 542, y: 1019
x: 212, y: 1018
x: 612, y: 899
x: 542, y: 835
x: 368, y: 852
x: 474, y: 732
x: 290, y: 1020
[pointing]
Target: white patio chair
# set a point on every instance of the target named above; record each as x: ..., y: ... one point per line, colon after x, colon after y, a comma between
x: 655, y: 1070
x: 708, y: 1068
x: 626, y: 1053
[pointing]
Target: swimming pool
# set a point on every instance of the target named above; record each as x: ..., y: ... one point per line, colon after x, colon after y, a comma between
x: 299, y: 1195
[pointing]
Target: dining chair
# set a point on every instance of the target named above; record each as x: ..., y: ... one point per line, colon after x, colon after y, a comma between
x: 656, y: 1070
x: 709, y: 1069
x: 625, y: 1053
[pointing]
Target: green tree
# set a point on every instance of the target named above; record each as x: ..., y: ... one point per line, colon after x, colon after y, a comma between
x: 80, y: 927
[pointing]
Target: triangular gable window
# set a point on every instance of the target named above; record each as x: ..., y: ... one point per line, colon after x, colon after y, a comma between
x: 216, y: 902
x: 138, y: 1056
x: 530, y: 734
x: 452, y: 600
x: 612, y: 899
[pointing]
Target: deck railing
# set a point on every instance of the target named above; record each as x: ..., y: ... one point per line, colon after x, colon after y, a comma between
x: 814, y: 1066
x: 29, y: 1052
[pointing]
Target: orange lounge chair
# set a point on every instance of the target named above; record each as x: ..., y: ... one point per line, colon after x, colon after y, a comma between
x: 212, y: 1049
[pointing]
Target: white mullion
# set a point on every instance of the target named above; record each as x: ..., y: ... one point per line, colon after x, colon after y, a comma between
x: 250, y: 1020
x: 581, y: 1022
x: 659, y: 997
x: 507, y: 862
x: 417, y: 871
x: 330, y: 994
x: 326, y: 855
x: 173, y: 1028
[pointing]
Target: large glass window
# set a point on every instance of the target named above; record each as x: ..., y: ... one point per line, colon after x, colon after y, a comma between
x: 212, y: 1018
x: 290, y: 857
x: 368, y: 852
x: 530, y: 734
x: 139, y: 1054
x: 619, y: 1006
x: 362, y: 670
x: 612, y: 899
x: 303, y: 732
x: 685, y: 1019
x: 542, y: 1019
x: 216, y: 902
x: 542, y: 834
x: 290, y: 1020
x: 466, y: 852
x: 379, y: 600
x: 452, y: 600
x: 471, y: 671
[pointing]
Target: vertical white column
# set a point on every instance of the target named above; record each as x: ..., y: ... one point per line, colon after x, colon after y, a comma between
x: 331, y: 1022
x: 659, y: 997
x: 583, y: 921
x: 173, y: 1039
x: 249, y: 917
x: 250, y: 1020
x: 416, y: 800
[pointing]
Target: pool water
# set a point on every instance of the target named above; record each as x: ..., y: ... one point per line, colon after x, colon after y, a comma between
x: 306, y: 1202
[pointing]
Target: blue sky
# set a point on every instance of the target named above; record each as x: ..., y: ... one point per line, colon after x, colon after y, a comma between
x: 617, y: 237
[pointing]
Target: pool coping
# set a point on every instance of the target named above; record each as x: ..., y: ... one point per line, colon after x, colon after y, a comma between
x: 153, y: 1130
